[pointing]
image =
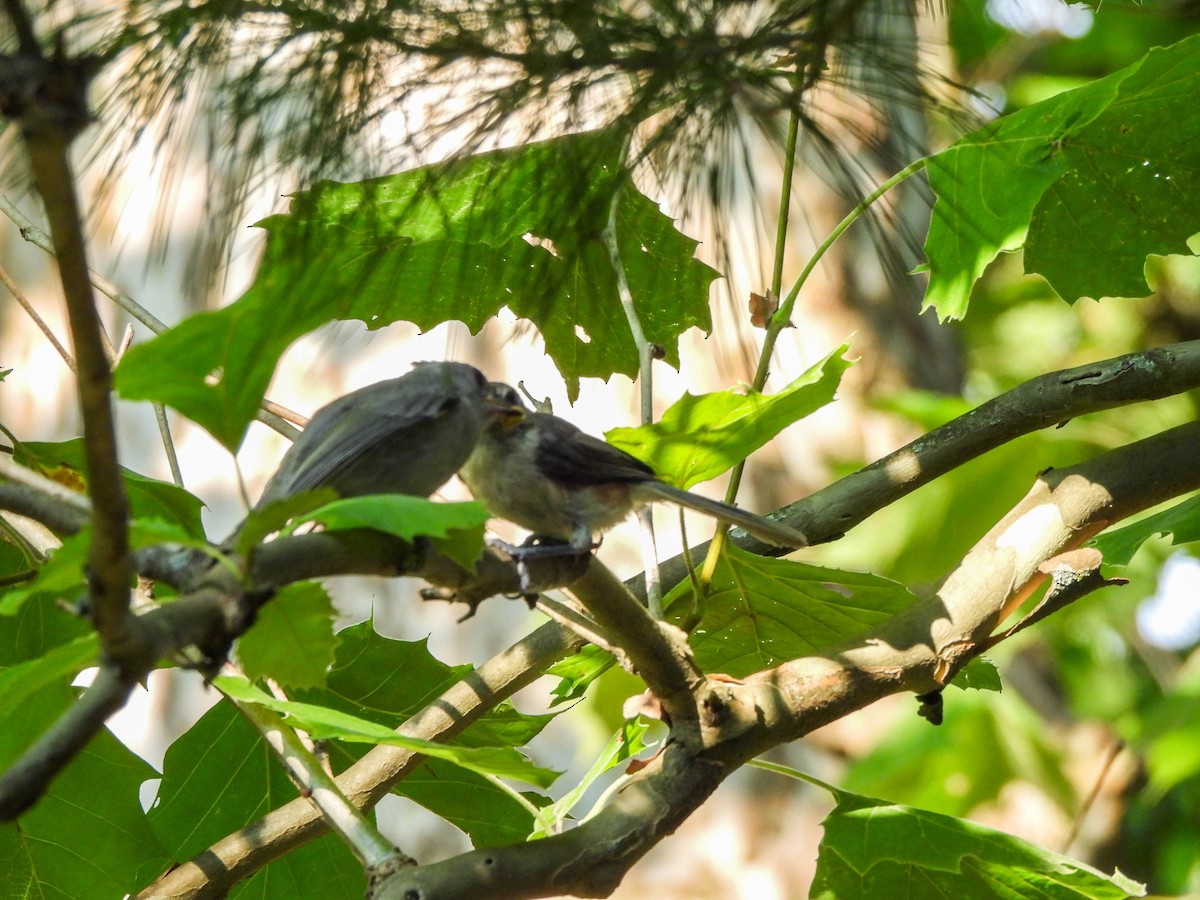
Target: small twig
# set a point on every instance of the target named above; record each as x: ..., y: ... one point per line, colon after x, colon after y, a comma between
x: 36, y: 236
x: 782, y: 317
x: 286, y: 414
x: 1114, y: 750
x: 24, y: 303
x: 126, y: 343
x: 574, y: 620
x: 646, y: 385
x: 164, y: 431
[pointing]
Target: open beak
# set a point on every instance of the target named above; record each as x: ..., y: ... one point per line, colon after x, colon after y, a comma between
x: 504, y: 405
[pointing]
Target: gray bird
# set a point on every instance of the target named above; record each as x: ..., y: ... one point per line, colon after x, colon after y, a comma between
x: 546, y: 475
x: 407, y: 435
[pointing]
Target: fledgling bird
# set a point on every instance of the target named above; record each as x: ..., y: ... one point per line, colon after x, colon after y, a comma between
x: 549, y: 477
x: 406, y: 435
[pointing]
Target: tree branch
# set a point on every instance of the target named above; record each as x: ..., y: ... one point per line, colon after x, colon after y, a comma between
x: 1041, y: 402
x: 659, y: 651
x: 211, y: 874
x: 51, y: 110
x: 919, y: 649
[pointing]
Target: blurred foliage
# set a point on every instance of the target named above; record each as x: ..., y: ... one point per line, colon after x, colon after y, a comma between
x: 1090, y: 661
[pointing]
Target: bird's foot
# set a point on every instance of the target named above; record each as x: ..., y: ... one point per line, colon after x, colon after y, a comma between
x: 537, y: 547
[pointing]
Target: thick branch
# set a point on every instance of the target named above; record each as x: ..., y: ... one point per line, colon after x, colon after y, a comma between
x: 658, y: 650
x: 51, y: 108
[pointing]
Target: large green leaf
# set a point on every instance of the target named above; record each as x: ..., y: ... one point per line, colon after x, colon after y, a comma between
x: 1090, y: 182
x: 761, y: 612
x: 390, y: 680
x: 882, y: 850
x: 21, y: 684
x: 385, y: 679
x: 487, y: 813
x: 292, y: 639
x: 322, y: 868
x: 700, y: 437
x: 518, y: 228
x: 87, y: 837
x: 38, y: 627
x: 456, y: 528
x: 217, y: 777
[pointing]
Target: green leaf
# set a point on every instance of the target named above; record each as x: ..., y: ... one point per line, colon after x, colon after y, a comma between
x: 21, y: 683
x: 61, y: 577
x: 292, y: 639
x: 517, y: 228
x: 322, y: 868
x: 1132, y: 187
x: 271, y: 518
x: 37, y: 628
x: 385, y: 679
x: 578, y: 672
x: 324, y: 723
x: 1181, y: 522
x: 1088, y: 181
x: 217, y: 777
x: 881, y: 850
x: 761, y: 612
x: 700, y: 437
x: 624, y: 745
x: 457, y: 528
x: 979, y: 674
x: 487, y: 813
x: 148, y: 497
x: 87, y: 837
x: 390, y: 680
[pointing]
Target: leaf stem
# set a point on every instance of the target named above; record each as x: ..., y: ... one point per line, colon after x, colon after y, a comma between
x: 343, y: 817
x: 778, y: 769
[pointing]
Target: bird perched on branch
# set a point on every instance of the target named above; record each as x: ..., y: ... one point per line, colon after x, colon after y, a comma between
x: 546, y: 475
x: 407, y: 435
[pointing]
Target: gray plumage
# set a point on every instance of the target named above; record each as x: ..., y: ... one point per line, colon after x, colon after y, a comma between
x: 407, y: 435
x: 546, y: 475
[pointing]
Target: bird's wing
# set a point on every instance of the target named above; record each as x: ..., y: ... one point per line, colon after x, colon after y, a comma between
x: 576, y: 459
x: 341, y: 447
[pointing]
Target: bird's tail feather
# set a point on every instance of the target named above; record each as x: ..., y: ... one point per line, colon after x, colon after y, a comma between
x: 775, y: 533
